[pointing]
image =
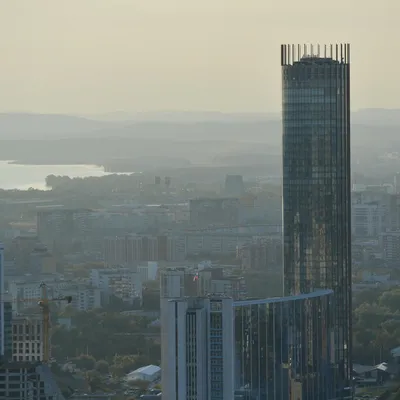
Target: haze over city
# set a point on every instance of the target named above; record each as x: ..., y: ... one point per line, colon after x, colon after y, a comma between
x: 101, y: 56
x: 196, y: 203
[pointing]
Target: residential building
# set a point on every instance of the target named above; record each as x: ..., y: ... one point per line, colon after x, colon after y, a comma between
x: 8, y: 341
x: 232, y: 286
x: 215, y: 243
x: 172, y: 283
x: 148, y: 272
x: 396, y: 182
x: 172, y: 286
x: 316, y: 184
x: 367, y: 220
x: 200, y: 359
x: 132, y: 249
x: 390, y: 242
x: 42, y: 261
x: 385, y: 204
x: 28, y: 381
x: 25, y: 294
x: 234, y: 186
x: 211, y: 281
x: 394, y: 213
x: 122, y: 282
x: 21, y: 248
x: 58, y: 227
x: 84, y: 297
x: 261, y: 254
x: 214, y: 211
x: 27, y: 338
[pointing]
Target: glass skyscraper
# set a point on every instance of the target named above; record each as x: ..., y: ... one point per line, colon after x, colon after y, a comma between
x: 284, y: 348
x: 316, y: 184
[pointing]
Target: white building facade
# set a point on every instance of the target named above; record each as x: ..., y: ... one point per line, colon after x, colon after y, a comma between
x: 368, y: 220
x: 199, y: 354
x: 124, y: 283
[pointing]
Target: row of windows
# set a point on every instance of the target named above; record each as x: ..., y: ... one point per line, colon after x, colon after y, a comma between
x: 309, y: 99
x: 307, y: 91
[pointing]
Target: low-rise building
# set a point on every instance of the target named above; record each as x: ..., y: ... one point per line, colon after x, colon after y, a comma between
x: 122, y: 282
x: 149, y: 373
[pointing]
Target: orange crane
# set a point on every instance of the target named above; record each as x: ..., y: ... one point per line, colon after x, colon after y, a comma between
x: 44, y: 304
x: 45, y: 307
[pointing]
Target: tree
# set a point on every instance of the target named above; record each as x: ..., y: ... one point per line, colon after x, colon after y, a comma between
x: 102, y: 367
x: 84, y: 362
x: 140, y: 384
x: 93, y: 379
x: 104, y: 334
x: 369, y: 296
x: 390, y: 299
x: 370, y: 315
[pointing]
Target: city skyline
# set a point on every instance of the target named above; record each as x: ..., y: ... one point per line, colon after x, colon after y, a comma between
x: 148, y: 56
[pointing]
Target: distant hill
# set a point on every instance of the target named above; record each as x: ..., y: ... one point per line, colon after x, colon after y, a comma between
x: 188, y: 137
x: 367, y: 125
x: 182, y: 117
x: 377, y: 116
x: 35, y: 126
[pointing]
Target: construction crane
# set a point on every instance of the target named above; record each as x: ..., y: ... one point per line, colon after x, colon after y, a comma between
x: 44, y: 304
x: 45, y: 307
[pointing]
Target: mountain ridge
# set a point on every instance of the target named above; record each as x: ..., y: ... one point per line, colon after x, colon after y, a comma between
x: 175, y: 125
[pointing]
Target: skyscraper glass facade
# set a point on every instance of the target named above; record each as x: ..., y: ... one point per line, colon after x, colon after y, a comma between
x: 284, y: 347
x: 316, y: 183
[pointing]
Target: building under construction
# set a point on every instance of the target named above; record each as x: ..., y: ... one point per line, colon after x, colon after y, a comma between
x: 28, y: 381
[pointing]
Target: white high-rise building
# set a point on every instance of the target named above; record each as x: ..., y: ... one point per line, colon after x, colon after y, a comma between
x: 172, y: 286
x: 148, y: 272
x: 200, y: 347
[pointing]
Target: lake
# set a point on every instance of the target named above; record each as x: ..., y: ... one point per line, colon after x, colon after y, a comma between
x: 14, y: 176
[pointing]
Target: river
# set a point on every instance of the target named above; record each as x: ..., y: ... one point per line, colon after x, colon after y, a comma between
x: 15, y: 176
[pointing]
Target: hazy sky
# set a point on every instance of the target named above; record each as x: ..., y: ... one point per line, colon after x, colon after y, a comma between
x: 96, y: 56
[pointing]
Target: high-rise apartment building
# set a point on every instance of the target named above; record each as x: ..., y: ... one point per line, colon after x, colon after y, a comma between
x: 317, y: 182
x: 206, y: 212
x: 200, y: 355
x: 132, y: 249
x: 27, y: 338
x: 57, y: 227
x: 234, y: 185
